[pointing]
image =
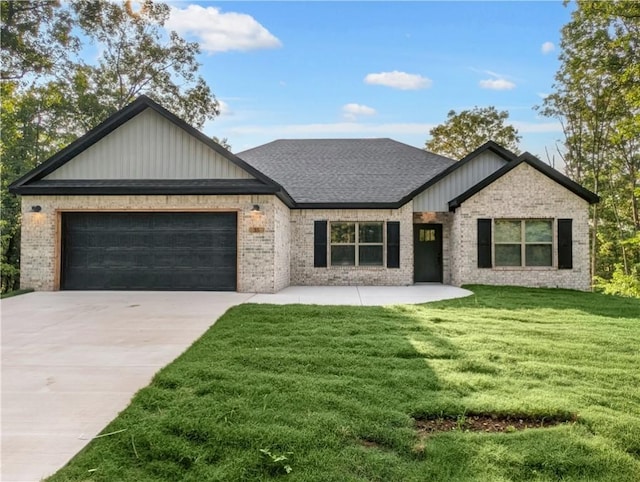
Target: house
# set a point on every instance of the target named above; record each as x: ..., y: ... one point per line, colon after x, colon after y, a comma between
x: 146, y: 202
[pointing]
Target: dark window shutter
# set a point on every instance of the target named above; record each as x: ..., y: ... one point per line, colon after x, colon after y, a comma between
x: 320, y: 244
x: 393, y: 244
x: 484, y: 243
x: 565, y: 244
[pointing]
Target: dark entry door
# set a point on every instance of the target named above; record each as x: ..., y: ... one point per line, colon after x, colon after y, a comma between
x: 427, y: 248
x: 149, y: 251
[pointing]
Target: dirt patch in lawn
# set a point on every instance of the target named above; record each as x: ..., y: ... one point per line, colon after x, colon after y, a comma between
x: 487, y: 423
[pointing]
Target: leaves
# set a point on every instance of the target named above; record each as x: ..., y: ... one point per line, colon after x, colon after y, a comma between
x: 50, y: 97
x: 464, y: 132
x: 597, y: 99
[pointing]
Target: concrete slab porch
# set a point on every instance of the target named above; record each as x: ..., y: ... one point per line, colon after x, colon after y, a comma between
x: 361, y: 295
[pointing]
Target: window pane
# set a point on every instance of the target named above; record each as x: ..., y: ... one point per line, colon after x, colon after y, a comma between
x: 370, y: 256
x: 538, y: 231
x: 343, y: 255
x: 507, y: 231
x: 508, y: 255
x: 370, y: 233
x: 343, y: 232
x: 538, y: 254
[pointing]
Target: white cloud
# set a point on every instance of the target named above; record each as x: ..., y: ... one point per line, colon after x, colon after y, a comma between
x: 497, y: 84
x: 225, y: 110
x: 221, y: 32
x: 542, y: 95
x: 352, y: 111
x: 399, y: 80
x: 547, y: 47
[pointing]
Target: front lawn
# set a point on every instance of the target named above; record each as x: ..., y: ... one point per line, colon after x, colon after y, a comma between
x: 337, y: 391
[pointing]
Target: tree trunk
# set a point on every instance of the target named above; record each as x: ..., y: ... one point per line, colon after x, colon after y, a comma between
x: 594, y: 236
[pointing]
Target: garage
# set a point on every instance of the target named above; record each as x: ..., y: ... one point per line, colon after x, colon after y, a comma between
x: 149, y: 251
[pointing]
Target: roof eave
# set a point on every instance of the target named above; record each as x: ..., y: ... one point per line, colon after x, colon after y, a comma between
x: 35, y: 190
x: 349, y: 205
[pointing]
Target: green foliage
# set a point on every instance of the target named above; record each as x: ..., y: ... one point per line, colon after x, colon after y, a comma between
x: 339, y: 387
x: 276, y: 464
x: 621, y: 284
x: 35, y: 37
x: 10, y: 294
x: 467, y: 130
x: 49, y: 97
x: 136, y: 58
x: 596, y: 97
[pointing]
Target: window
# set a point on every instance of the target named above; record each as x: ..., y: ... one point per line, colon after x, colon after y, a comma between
x: 357, y: 244
x: 523, y: 242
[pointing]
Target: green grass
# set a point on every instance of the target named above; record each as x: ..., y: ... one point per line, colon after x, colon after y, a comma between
x: 334, y: 390
x: 9, y: 294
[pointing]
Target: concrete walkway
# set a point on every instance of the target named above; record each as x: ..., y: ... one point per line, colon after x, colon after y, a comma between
x: 72, y: 360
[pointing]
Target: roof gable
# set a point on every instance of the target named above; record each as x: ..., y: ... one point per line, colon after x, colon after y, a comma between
x: 484, y: 151
x: 149, y: 146
x: 234, y: 165
x: 537, y: 164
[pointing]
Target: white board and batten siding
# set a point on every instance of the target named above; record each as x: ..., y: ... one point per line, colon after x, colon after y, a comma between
x: 436, y: 198
x: 149, y: 146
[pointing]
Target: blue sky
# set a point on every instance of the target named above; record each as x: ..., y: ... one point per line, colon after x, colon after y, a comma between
x: 373, y: 69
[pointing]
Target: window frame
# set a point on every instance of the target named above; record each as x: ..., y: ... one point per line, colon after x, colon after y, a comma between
x: 356, y: 244
x: 523, y: 243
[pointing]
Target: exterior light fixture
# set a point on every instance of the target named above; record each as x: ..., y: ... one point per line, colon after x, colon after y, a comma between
x: 256, y: 208
x: 36, y: 208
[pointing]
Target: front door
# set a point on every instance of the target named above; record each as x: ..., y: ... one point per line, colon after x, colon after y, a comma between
x: 427, y: 253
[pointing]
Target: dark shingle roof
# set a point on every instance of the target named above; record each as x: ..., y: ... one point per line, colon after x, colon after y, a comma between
x: 353, y: 171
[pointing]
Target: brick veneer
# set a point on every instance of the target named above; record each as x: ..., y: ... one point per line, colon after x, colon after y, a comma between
x: 275, y: 246
x: 262, y: 249
x: 303, y: 271
x: 522, y: 193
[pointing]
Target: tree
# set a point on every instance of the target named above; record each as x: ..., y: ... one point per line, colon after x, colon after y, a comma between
x: 35, y: 37
x: 136, y: 58
x: 224, y: 142
x: 596, y: 98
x: 49, y: 97
x: 466, y: 131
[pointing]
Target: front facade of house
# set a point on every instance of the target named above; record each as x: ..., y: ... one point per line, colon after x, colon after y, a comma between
x: 146, y: 202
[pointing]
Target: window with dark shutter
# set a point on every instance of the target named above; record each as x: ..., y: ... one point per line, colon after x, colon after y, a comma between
x: 393, y: 244
x: 320, y: 244
x: 484, y: 243
x: 565, y: 244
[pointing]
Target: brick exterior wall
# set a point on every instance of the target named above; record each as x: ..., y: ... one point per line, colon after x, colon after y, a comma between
x: 522, y: 193
x: 263, y: 237
x: 276, y: 245
x: 282, y: 245
x: 303, y: 271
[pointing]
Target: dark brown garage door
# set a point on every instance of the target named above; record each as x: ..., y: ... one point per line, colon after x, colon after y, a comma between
x: 149, y: 251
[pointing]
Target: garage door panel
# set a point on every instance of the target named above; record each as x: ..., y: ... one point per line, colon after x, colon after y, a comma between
x: 149, y: 251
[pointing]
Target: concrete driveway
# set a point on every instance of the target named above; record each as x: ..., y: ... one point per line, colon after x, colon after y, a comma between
x: 71, y: 361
